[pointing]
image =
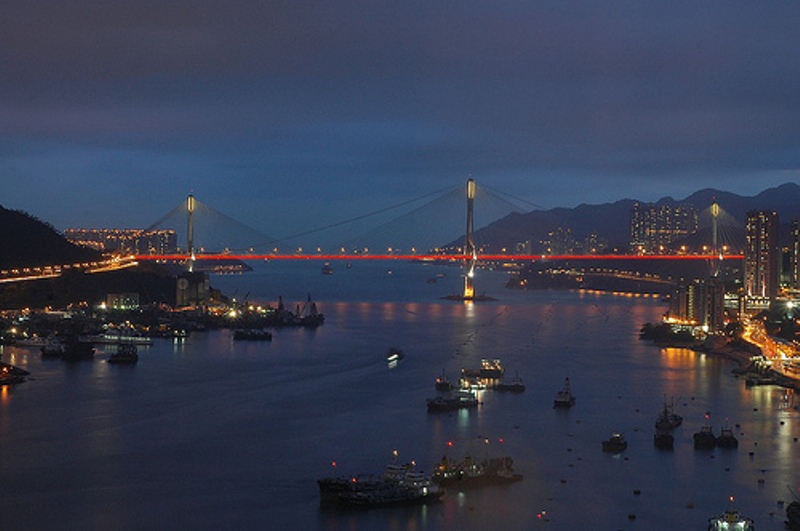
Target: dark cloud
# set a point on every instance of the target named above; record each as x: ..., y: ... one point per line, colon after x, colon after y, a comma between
x: 559, y: 102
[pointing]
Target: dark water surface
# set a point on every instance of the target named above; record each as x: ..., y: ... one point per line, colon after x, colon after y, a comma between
x: 212, y: 434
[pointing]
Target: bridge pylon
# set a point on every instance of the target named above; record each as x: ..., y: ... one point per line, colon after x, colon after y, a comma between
x: 470, y: 252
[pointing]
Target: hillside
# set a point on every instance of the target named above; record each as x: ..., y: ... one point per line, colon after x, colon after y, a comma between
x: 26, y: 241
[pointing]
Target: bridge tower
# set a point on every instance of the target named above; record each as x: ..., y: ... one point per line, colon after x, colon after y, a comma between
x: 190, y: 232
x: 469, y: 244
x: 715, y: 251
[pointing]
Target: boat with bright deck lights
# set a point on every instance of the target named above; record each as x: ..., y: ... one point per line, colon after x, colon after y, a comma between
x: 730, y: 520
x: 489, y: 369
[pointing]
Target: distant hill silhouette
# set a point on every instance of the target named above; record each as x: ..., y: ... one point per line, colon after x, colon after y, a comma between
x: 27, y: 242
x: 611, y: 221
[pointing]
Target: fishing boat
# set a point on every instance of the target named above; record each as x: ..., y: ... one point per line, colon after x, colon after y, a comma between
x: 730, y: 520
x: 726, y: 439
x: 615, y: 444
x: 443, y: 383
x: 663, y: 440
x: 668, y: 419
x: 564, y: 398
x: 704, y: 439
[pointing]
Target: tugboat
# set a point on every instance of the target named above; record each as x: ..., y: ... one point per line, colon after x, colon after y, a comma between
x: 726, y: 439
x: 668, y: 420
x: 453, y: 401
x: 564, y: 398
x: 126, y: 354
x: 615, y: 444
x: 730, y: 520
x: 704, y: 439
x: 663, y: 440
x: 443, y: 383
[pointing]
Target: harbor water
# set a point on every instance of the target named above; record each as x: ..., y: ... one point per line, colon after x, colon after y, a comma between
x: 208, y: 433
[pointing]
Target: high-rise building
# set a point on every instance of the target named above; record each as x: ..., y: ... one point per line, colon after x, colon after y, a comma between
x: 761, y: 255
x: 701, y: 303
x: 794, y: 254
x: 655, y: 227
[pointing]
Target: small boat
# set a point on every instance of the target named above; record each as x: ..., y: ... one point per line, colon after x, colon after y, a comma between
x: 516, y: 385
x: 252, y: 335
x: 53, y: 347
x: 127, y: 353
x: 663, y: 440
x: 564, y: 398
x: 726, y: 439
x: 615, y: 444
x: 730, y: 520
x: 327, y: 269
x: 453, y: 401
x: 10, y: 374
x: 443, y: 383
x: 704, y: 439
x: 394, y: 355
x: 668, y: 419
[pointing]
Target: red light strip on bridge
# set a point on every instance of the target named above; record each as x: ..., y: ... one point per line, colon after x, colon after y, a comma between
x: 435, y: 257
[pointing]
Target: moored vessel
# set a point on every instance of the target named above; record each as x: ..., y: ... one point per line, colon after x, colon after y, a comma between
x: 668, y: 419
x: 726, y: 439
x: 443, y: 383
x: 516, y: 385
x: 564, y: 397
x: 470, y: 473
x: 454, y: 400
x: 127, y: 353
x: 704, y: 439
x: 615, y: 444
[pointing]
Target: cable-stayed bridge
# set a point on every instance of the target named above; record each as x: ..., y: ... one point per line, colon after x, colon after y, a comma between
x: 429, y: 227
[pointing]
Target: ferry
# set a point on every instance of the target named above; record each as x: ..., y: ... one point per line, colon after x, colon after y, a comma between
x: 730, y: 520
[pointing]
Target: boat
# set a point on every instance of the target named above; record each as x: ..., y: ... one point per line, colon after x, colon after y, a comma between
x: 127, y: 353
x: 252, y: 334
x: 615, y: 444
x: 489, y: 369
x: 453, y: 401
x: 124, y: 335
x: 74, y: 348
x: 668, y: 420
x: 663, y: 440
x: 443, y: 383
x: 470, y: 473
x: 726, y: 439
x: 10, y: 374
x: 704, y: 439
x: 413, y: 488
x: 327, y: 269
x: 394, y: 355
x: 564, y: 398
x: 53, y: 347
x: 516, y: 385
x: 730, y: 520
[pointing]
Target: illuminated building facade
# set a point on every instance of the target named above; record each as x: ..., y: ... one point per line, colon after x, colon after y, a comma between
x: 761, y: 255
x: 655, y: 227
x: 122, y: 301
x: 699, y: 303
x: 794, y: 254
x: 125, y: 241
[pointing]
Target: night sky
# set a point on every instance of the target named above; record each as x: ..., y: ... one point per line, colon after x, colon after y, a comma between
x: 287, y: 115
